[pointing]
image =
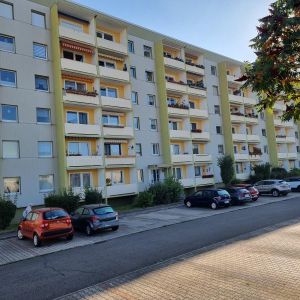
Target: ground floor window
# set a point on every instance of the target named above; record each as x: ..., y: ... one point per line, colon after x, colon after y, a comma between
x: 12, y: 185
x: 114, y: 177
x: 46, y: 183
x: 80, y: 180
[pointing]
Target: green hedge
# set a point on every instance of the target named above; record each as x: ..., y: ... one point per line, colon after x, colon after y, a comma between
x: 93, y: 196
x: 144, y: 199
x: 66, y: 200
x: 7, y: 212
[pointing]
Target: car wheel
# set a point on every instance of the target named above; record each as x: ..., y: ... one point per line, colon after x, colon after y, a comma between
x: 213, y: 205
x: 275, y: 193
x: 88, y: 230
x: 20, y: 234
x: 188, y: 204
x: 115, y: 228
x: 36, y: 240
x: 70, y: 237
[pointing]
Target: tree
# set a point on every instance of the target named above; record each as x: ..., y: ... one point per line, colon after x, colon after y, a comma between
x: 226, y: 166
x: 275, y: 75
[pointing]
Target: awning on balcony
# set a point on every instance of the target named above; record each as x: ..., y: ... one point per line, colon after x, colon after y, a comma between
x: 76, y: 47
x: 115, y: 141
x: 77, y: 78
x: 110, y: 57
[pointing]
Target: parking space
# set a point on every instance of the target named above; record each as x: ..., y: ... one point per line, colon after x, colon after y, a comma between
x: 12, y: 250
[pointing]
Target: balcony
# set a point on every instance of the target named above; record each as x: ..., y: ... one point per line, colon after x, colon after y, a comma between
x: 253, y: 138
x: 232, y: 78
x: 121, y: 189
x: 236, y: 99
x: 204, y: 136
x: 82, y: 130
x: 176, y: 86
x: 180, y: 110
x: 174, y: 63
x: 241, y: 156
x: 112, y: 46
x: 194, y: 68
x: 290, y: 139
x: 116, y: 103
x: 182, y: 158
x: 292, y: 155
x: 85, y: 98
x: 119, y: 160
x: 205, y: 180
x: 117, y: 131
x: 187, y: 182
x: 280, y: 138
x: 93, y: 162
x: 251, y: 118
x: 199, y: 113
x: 196, y: 90
x: 255, y: 157
x: 70, y: 65
x: 180, y: 134
x: 282, y: 155
x: 237, y: 117
x: 242, y: 176
x: 249, y: 101
x: 279, y: 106
x: 278, y: 122
x: 202, y: 157
x: 76, y: 36
x: 114, y: 74
x: 239, y: 137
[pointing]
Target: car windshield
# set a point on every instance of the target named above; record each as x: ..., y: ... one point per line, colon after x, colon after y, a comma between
x: 103, y: 210
x: 55, y: 214
x: 244, y: 191
x: 223, y: 193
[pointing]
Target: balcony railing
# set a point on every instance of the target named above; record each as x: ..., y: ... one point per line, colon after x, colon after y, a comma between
x: 173, y: 62
x: 114, y: 74
x: 72, y: 129
x: 80, y: 97
x: 181, y: 158
x: 120, y: 160
x: 81, y: 92
x: 78, y: 161
x: 76, y: 36
x: 178, y: 105
x: 207, y: 179
x: 121, y: 189
x: 112, y: 46
x: 202, y: 157
x: 117, y: 103
x: 117, y: 131
x: 78, y: 67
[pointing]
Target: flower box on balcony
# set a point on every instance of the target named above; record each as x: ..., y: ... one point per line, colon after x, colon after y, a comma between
x: 114, y: 126
x: 179, y: 105
x: 208, y: 176
x: 84, y: 93
x: 196, y: 130
x: 281, y: 136
x: 194, y: 65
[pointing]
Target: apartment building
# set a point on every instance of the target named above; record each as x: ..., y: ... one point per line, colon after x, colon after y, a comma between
x: 88, y: 100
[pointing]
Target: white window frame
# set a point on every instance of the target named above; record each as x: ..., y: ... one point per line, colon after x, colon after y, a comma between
x: 81, y: 179
x: 138, y: 153
x: 106, y: 91
x: 77, y: 113
x: 4, y: 82
x: 132, y: 43
x: 106, y: 61
x: 148, y: 49
x: 155, y: 149
x: 134, y: 73
x: 136, y: 97
x: 12, y: 10
x: 46, y: 190
x: 76, y: 82
x: 14, y: 43
x: 215, y: 89
x: 45, y: 108
x: 74, y: 54
x: 140, y: 175
x: 103, y: 34
x: 199, y: 168
x: 43, y: 45
x: 6, y: 156
x: 153, y: 103
x: 10, y: 121
x: 111, y: 172
x: 175, y: 169
x: 48, y: 83
x: 147, y: 71
x: 138, y: 123
x: 154, y: 123
x: 109, y: 117
x: 174, y: 148
x: 80, y: 143
x: 71, y: 25
x: 41, y: 14
x: 51, y: 148
x: 14, y: 177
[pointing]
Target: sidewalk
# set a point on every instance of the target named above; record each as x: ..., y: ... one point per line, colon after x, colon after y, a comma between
x: 262, y: 265
x: 12, y: 250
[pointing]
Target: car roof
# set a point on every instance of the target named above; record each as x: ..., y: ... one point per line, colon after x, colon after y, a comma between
x: 241, y: 185
x: 45, y: 209
x: 92, y: 206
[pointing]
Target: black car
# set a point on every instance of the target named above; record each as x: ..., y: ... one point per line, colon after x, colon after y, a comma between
x: 239, y: 195
x: 93, y: 217
x: 212, y: 198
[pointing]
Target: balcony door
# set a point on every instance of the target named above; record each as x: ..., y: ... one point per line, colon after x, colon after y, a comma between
x: 80, y: 180
x: 78, y: 149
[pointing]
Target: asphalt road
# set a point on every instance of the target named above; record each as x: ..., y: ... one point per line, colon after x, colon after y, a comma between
x: 54, y: 275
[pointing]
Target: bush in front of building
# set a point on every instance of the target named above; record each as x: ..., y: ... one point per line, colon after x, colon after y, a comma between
x: 92, y: 196
x: 225, y: 164
x: 66, y: 200
x: 7, y: 212
x: 144, y: 199
x: 261, y: 172
x: 294, y: 172
x: 279, y: 173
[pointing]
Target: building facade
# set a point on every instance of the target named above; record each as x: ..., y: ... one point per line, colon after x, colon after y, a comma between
x: 88, y: 100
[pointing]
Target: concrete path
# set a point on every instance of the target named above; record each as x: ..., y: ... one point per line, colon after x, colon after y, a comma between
x: 13, y: 250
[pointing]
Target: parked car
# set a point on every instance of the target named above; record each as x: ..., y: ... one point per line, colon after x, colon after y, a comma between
x: 294, y: 183
x: 93, y: 217
x: 45, y: 223
x: 213, y: 198
x: 239, y: 195
x: 254, y: 193
x: 276, y: 187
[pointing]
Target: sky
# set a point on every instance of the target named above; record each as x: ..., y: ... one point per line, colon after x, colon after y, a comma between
x: 222, y: 26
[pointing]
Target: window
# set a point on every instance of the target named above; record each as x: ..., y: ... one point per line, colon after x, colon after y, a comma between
x: 134, y: 97
x: 215, y: 90
x: 197, y: 171
x: 132, y: 72
x: 104, y: 35
x: 9, y: 113
x: 263, y: 132
x: 192, y: 104
x: 109, y: 92
x: 173, y: 125
x: 43, y: 115
x: 153, y: 124
x: 41, y: 83
x: 78, y: 149
x: 114, y: 177
x: 151, y: 100
x: 177, y: 173
x: 296, y: 135
x: 136, y: 123
x: 46, y: 183
x: 155, y: 149
x: 12, y: 185
x: 39, y: 51
x: 80, y: 180
x: 8, y: 78
x: 175, y: 149
x: 213, y: 70
x: 138, y: 149
x: 75, y: 86
x: 217, y: 109
x: 112, y: 149
x: 266, y: 149
x: 262, y: 115
x: 71, y: 25
x: 140, y: 175
x: 221, y: 149
x: 155, y: 175
x: 112, y: 120
x: 73, y: 56
x: 147, y: 51
x: 38, y: 19
x: 7, y: 43
x: 107, y: 64
x: 219, y: 129
x: 195, y: 148
x: 45, y: 149
x: 75, y: 117
x: 149, y: 76
x: 10, y: 149
x: 6, y: 10
x: 298, y: 149
x: 130, y: 46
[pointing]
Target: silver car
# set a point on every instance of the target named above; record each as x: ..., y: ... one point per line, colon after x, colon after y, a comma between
x: 275, y: 187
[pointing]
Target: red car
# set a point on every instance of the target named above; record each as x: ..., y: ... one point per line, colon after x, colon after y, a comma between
x: 45, y: 223
x: 252, y: 190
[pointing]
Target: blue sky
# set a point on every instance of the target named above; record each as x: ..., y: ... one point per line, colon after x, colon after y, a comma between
x: 222, y: 26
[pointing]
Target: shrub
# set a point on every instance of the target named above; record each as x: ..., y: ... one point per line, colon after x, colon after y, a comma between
x: 279, y: 173
x: 261, y: 172
x: 174, y: 189
x: 160, y: 193
x: 7, y: 212
x: 236, y: 181
x: 92, y: 196
x: 294, y: 172
x: 144, y: 199
x: 66, y: 200
x: 227, y: 171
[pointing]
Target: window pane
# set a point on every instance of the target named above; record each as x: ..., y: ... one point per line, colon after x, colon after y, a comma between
x: 38, y: 19
x: 9, y: 113
x: 46, y: 183
x: 6, y: 10
x: 73, y: 148
x: 81, y: 86
x: 108, y: 37
x: 39, y: 51
x: 134, y: 97
x: 131, y: 46
x: 70, y: 85
x: 73, y: 26
x: 112, y: 92
x: 86, y: 177
x: 10, y: 149
x: 72, y: 117
x: 83, y: 118
x: 84, y: 149
x: 103, y: 91
x: 41, y: 83
x: 114, y: 120
x: 117, y: 177
x: 45, y: 149
x: 68, y: 54
x: 12, y: 185
x: 7, y: 78
x: 115, y: 149
x: 75, y: 180
x: 7, y: 43
x: 43, y: 115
